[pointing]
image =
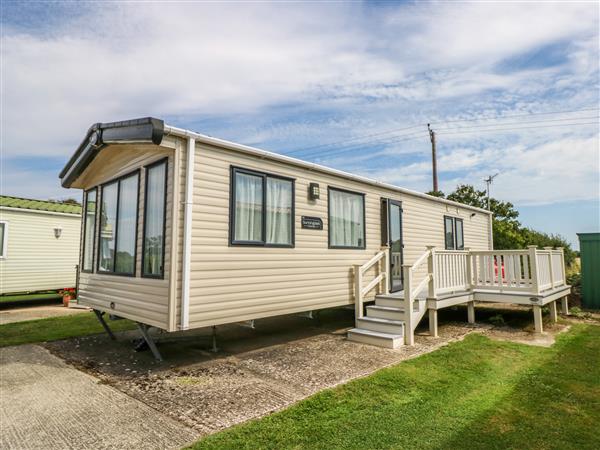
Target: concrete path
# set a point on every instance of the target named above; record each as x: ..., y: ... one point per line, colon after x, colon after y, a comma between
x: 23, y: 313
x: 47, y: 404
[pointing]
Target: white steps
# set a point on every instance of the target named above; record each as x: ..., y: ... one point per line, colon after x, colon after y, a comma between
x: 376, y: 338
x: 385, y: 312
x: 381, y: 325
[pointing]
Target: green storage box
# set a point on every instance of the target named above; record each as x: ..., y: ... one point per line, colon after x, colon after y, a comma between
x: 589, y: 246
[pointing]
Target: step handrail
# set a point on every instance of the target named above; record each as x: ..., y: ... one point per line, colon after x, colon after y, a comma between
x: 410, y: 293
x: 380, y: 281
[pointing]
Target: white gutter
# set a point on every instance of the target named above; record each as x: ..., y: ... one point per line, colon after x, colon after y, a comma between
x: 187, y: 233
x: 307, y: 165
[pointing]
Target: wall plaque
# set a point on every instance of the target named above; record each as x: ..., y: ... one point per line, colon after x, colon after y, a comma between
x: 312, y: 223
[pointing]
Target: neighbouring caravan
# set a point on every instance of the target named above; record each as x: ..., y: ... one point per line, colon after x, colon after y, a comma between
x: 39, y: 245
x: 193, y: 231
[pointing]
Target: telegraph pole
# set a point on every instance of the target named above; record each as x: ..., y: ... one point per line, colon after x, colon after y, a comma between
x: 488, y: 182
x: 433, y: 158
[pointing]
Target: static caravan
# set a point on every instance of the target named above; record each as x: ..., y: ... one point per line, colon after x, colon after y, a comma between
x: 193, y: 231
x: 39, y: 245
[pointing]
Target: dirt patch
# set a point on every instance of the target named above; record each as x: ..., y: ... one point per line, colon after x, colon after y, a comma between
x: 256, y: 372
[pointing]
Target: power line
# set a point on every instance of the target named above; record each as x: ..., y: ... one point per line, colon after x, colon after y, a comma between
x: 519, y: 128
x: 517, y: 115
x: 387, y: 139
x: 518, y: 123
x: 497, y: 118
x: 354, y: 139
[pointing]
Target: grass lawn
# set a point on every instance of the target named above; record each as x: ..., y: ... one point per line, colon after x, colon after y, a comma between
x: 29, y: 297
x: 55, y: 328
x: 476, y: 393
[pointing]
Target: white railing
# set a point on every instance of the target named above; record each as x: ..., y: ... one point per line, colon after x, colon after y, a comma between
x: 411, y: 291
x: 530, y: 270
x: 453, y: 271
x: 381, y: 281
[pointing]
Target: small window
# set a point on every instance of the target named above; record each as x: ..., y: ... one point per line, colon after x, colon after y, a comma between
x: 118, y: 226
x: 153, y: 252
x: 453, y: 232
x: 89, y: 229
x: 262, y: 209
x: 346, y: 219
x: 3, y: 239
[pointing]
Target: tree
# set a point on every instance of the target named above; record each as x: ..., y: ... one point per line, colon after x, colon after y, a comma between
x: 507, y: 230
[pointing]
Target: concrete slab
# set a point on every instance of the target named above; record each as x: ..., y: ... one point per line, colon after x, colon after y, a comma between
x: 23, y: 313
x: 48, y: 404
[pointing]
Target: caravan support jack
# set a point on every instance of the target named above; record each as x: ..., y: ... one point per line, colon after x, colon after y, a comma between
x: 144, y: 330
x: 100, y: 316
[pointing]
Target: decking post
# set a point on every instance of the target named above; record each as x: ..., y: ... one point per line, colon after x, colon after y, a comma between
x: 471, y: 312
x: 535, y: 282
x: 562, y: 265
x: 550, y: 265
x: 469, y: 269
x: 358, y: 292
x: 433, y: 322
x: 553, y: 314
x: 537, y: 318
x: 409, y: 336
x: 386, y: 262
x: 564, y: 305
x: 431, y: 272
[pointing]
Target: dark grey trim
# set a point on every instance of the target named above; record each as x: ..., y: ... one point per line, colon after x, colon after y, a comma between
x: 144, y: 130
x: 137, y: 220
x: 84, y: 230
x: 454, y: 233
x: 264, y: 175
x: 341, y: 247
x: 389, y: 242
x: 164, y: 161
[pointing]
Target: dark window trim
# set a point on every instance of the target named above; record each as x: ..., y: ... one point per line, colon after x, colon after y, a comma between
x: 345, y: 247
x: 454, y: 233
x: 264, y: 175
x: 164, y: 161
x: 137, y: 213
x: 86, y: 193
x: 388, y: 226
x: 462, y: 247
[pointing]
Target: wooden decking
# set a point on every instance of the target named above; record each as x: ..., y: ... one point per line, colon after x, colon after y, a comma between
x: 525, y: 277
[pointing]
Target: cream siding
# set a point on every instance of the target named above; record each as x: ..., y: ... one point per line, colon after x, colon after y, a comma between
x: 35, y: 259
x: 230, y: 283
x: 142, y: 299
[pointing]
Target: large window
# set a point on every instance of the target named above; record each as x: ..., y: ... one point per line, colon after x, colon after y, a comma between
x: 262, y: 209
x: 118, y: 226
x: 153, y: 252
x: 3, y: 239
x: 89, y: 229
x: 346, y: 219
x: 453, y: 233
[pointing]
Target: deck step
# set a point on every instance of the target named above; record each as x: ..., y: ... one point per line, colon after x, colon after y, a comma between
x: 395, y: 301
x: 386, y: 312
x: 381, y: 325
x: 386, y: 340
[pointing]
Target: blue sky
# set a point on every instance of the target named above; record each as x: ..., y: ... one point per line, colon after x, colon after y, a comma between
x: 511, y: 88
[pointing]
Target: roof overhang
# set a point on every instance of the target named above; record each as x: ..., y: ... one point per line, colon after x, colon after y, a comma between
x: 137, y: 131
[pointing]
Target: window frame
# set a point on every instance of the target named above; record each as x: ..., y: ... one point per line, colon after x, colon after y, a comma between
x: 232, y: 198
x: 4, y: 254
x: 164, y: 161
x: 94, y: 241
x: 345, y: 247
x: 454, y: 233
x: 137, y: 222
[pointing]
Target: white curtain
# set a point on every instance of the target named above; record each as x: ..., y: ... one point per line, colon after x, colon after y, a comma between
x: 248, y: 207
x: 154, y: 220
x: 279, y: 211
x: 346, y: 219
x: 90, y: 230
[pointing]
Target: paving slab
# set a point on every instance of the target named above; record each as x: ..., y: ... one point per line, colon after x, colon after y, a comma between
x: 48, y: 404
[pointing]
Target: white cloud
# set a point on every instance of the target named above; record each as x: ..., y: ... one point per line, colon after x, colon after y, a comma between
x: 372, y: 68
